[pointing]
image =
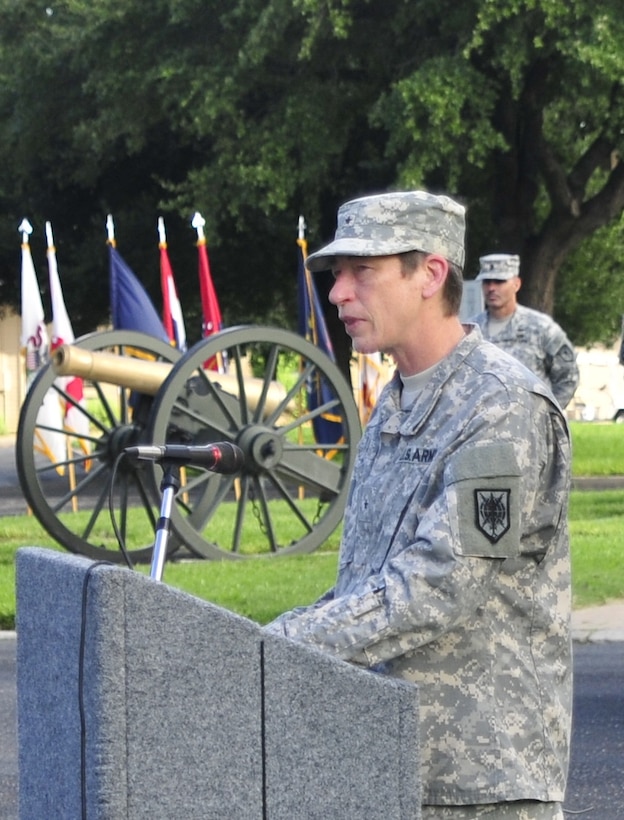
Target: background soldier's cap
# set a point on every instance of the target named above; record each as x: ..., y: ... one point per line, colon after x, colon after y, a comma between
x: 385, y: 224
x: 500, y: 266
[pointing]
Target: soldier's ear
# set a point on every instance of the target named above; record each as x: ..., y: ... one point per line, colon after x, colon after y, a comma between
x: 436, y: 269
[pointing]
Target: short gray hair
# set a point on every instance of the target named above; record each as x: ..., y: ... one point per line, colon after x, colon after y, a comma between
x: 453, y: 284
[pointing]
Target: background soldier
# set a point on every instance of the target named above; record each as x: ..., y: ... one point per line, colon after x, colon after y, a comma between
x: 529, y: 335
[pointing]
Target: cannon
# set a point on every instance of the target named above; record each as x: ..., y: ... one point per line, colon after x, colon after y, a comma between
x: 288, y: 497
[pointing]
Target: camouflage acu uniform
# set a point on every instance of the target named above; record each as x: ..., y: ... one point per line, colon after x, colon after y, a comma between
x: 542, y: 346
x: 396, y: 223
x: 454, y: 574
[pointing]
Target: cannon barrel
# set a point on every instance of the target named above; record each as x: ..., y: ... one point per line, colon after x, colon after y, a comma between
x: 147, y: 376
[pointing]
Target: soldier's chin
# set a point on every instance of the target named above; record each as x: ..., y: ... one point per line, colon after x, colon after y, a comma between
x: 361, y: 346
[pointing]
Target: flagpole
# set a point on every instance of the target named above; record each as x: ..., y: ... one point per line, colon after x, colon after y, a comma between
x: 301, y: 241
x: 26, y: 229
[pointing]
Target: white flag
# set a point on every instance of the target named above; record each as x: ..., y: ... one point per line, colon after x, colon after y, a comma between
x: 62, y: 333
x: 35, y: 345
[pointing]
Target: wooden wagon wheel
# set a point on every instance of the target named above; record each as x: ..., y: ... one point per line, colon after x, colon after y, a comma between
x: 291, y: 411
x: 66, y: 474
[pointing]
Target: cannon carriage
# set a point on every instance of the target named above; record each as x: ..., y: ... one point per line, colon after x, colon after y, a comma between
x: 289, y: 495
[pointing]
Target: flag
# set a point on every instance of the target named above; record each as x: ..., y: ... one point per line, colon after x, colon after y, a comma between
x: 62, y: 333
x: 312, y: 326
x: 35, y: 346
x: 34, y: 339
x: 371, y: 383
x: 211, y: 312
x: 131, y: 307
x: 173, y: 320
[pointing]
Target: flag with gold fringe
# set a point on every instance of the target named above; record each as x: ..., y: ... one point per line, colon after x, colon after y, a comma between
x: 173, y: 320
x: 328, y: 429
x: 211, y: 311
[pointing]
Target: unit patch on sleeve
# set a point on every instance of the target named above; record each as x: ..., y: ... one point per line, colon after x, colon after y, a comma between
x: 492, y: 513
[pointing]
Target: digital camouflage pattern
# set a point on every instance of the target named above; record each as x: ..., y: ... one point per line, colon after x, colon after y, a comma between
x: 397, y: 222
x: 541, y: 345
x: 518, y: 810
x: 454, y: 574
x: 501, y: 266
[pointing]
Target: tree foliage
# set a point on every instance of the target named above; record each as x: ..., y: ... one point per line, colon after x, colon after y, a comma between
x: 254, y: 111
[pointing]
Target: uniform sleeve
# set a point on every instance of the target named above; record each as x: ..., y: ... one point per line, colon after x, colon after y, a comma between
x: 443, y: 576
x: 563, y: 370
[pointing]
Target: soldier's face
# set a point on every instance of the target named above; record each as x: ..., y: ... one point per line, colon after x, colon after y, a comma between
x: 500, y: 295
x: 378, y: 303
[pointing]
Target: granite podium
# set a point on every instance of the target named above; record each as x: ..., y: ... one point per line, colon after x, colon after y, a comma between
x: 136, y: 700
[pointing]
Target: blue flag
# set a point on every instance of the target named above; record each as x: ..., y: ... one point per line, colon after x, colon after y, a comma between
x: 312, y: 326
x: 131, y: 307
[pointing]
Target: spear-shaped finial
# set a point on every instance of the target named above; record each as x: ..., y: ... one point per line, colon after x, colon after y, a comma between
x: 25, y: 229
x: 198, y: 223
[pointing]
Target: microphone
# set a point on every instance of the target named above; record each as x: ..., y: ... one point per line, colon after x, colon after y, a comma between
x: 223, y: 458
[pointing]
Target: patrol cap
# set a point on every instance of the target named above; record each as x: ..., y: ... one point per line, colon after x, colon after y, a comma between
x: 386, y: 224
x: 501, y: 266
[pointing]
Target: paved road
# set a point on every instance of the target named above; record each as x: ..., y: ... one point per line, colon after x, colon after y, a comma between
x: 11, y: 498
x: 8, y: 730
x: 596, y: 783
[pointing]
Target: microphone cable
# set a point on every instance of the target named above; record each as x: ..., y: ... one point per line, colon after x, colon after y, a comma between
x: 111, y: 510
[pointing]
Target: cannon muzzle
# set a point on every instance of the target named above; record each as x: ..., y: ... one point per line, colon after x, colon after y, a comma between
x: 147, y: 376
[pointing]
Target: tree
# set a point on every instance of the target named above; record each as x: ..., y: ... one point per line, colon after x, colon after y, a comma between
x: 518, y: 106
x: 254, y: 111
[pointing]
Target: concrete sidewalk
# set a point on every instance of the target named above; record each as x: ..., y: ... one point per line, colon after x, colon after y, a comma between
x: 599, y: 623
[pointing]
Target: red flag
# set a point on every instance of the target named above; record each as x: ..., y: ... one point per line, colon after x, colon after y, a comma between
x: 211, y: 312
x: 172, y: 310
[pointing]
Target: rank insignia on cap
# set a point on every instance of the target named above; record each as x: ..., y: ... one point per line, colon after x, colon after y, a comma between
x: 492, y: 513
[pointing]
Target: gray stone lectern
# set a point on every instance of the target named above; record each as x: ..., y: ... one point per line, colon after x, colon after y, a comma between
x: 136, y: 700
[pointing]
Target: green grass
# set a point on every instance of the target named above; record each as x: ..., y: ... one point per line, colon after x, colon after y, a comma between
x: 597, y: 546
x: 597, y: 448
x: 262, y: 587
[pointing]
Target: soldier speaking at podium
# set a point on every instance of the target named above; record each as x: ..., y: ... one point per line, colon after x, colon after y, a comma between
x: 454, y: 563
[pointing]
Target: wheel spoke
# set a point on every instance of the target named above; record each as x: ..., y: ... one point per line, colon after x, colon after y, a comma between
x: 67, y: 487
x: 291, y: 491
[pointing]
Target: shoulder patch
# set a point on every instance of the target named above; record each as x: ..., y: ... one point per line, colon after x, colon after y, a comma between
x: 492, y: 512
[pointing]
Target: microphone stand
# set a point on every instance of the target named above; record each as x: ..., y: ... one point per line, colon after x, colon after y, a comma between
x: 169, y: 485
